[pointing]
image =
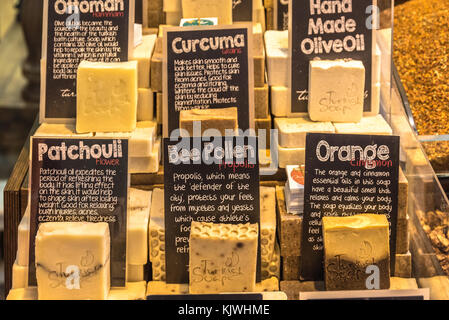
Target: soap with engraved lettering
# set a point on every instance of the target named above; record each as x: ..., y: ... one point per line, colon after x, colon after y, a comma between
x: 73, y: 261
x: 222, y: 257
x: 351, y: 245
x: 336, y: 90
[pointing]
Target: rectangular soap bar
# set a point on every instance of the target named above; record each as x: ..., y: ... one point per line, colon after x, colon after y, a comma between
x: 157, y: 235
x: 351, y: 244
x: 137, y: 243
x: 135, y: 273
x: 259, y: 70
x: 141, y: 139
x: 19, y: 276
x: 156, y: 66
x: 221, y: 9
x: 279, y: 101
x: 402, y: 195
x: 148, y: 164
x: 261, y: 102
x: 222, y: 257
x: 29, y: 293
x: 402, y: 235
x: 59, y: 130
x: 292, y: 131
x: 397, y: 283
x: 290, y: 267
x: 106, y: 97
x: 291, y: 156
x: 289, y: 227
x: 336, y: 90
x: 276, y: 48
x: 139, y: 198
x: 132, y: 291
x: 142, y: 54
x: 403, y: 265
x: 159, y: 107
x: 23, y: 239
x: 63, y: 247
x: 145, y: 105
x: 172, y: 5
x: 263, y: 131
x: 375, y: 125
x: 267, y: 228
x: 225, y: 120
x: 272, y: 268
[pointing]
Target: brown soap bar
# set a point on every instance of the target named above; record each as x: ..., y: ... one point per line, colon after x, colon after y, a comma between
x: 259, y: 71
x: 159, y: 107
x: 289, y: 227
x: 351, y: 245
x: 402, y: 195
x: 156, y: 66
x: 263, y: 124
x: 261, y: 102
x: 292, y: 288
x: 155, y: 18
x: 403, y: 265
x: 219, y: 119
x: 402, y: 236
x: 290, y: 268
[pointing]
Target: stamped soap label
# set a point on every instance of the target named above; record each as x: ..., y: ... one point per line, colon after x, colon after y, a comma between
x: 74, y: 31
x: 328, y: 30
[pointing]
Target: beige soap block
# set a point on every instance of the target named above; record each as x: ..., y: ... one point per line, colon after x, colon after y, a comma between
x: 402, y: 235
x: 438, y: 285
x: 161, y: 287
x: 23, y: 239
x: 222, y: 257
x: 19, y: 276
x: 172, y: 6
x: 336, y: 90
x: 276, y: 48
x: 106, y: 97
x: 289, y: 227
x: 156, y: 66
x: 368, y: 125
x: 141, y: 139
x: 29, y: 293
x: 259, y: 70
x: 291, y: 156
x: 145, y: 105
x: 173, y: 18
x: 292, y: 131
x: 132, y: 291
x: 261, y: 102
x: 139, y: 198
x: 135, y: 273
x: 397, y: 283
x: 155, y: 18
x: 263, y: 131
x: 221, y: 121
x: 221, y: 9
x: 272, y: 268
x: 59, y: 130
x: 64, y: 249
x: 267, y: 228
x: 354, y: 243
x: 142, y: 54
x: 137, y: 242
x: 157, y: 235
x: 159, y: 107
x: 403, y: 265
x: 279, y: 101
x: 270, y: 284
x: 147, y: 164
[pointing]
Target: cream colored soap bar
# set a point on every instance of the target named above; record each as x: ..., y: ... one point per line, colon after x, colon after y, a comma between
x: 273, y: 268
x: 23, y: 239
x: 157, y: 235
x: 142, y: 54
x: 220, y: 121
x: 19, y: 276
x: 139, y: 198
x: 132, y: 291
x: 161, y: 287
x: 291, y: 156
x: 336, y: 90
x: 138, y: 222
x: 276, y: 48
x: 106, y: 97
x: 71, y: 248
x: 145, y: 105
x: 135, y: 273
x: 292, y: 131
x: 59, y: 130
x: 141, y: 139
x: 354, y: 243
x: 29, y: 293
x: 222, y: 257
x: 267, y: 228
x: 279, y: 101
x: 368, y: 125
x: 221, y: 9
x: 147, y: 164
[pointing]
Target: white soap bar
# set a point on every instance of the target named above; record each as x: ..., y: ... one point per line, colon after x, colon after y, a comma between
x: 368, y: 125
x: 139, y: 198
x: 23, y: 239
x: 132, y: 291
x: 291, y: 156
x: 157, y: 235
x: 135, y: 273
x: 292, y: 131
x: 141, y: 140
x: 19, y: 276
x: 336, y: 90
x: 138, y: 221
x: 276, y: 48
x: 222, y: 9
x: 145, y: 104
x: 59, y: 130
x: 147, y: 164
x: 64, y: 249
x: 279, y: 101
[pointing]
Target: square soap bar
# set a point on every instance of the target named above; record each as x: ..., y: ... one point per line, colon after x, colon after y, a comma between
x: 222, y: 257
x: 351, y: 244
x: 65, y: 248
x: 222, y: 9
x: 225, y: 120
x: 145, y: 105
x: 138, y: 221
x: 148, y: 164
x: 292, y: 131
x: 142, y: 54
x: 368, y: 125
x: 276, y: 48
x: 106, y: 97
x: 336, y: 90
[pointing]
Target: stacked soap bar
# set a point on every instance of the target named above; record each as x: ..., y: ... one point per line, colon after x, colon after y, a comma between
x: 223, y: 120
x: 222, y: 257
x: 153, y: 14
x: 173, y: 11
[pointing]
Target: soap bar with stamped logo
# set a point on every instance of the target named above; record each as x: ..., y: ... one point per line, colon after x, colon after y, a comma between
x: 357, y: 252
x: 73, y: 261
x: 223, y: 257
x: 336, y: 90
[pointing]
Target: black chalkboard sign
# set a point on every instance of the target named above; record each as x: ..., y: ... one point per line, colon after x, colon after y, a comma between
x: 76, y: 31
x: 324, y: 29
x: 210, y: 182
x: 208, y: 67
x: 242, y: 10
x: 341, y: 185
x: 81, y: 180
x: 281, y: 14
